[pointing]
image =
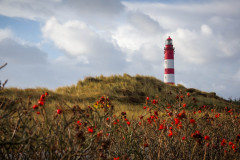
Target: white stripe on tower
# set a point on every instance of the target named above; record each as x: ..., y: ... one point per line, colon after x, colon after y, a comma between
x: 169, y: 78
x: 169, y: 62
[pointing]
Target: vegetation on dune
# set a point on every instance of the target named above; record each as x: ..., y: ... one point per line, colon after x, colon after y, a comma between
x: 137, y: 118
x: 39, y: 130
x: 122, y: 89
x: 133, y: 90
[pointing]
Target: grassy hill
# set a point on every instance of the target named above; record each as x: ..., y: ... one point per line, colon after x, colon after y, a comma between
x: 121, y: 89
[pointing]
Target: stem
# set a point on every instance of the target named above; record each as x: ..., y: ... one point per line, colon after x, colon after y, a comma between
x: 195, y: 146
x: 205, y: 152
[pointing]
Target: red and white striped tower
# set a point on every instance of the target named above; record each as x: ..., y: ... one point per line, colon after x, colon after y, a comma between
x: 169, y: 62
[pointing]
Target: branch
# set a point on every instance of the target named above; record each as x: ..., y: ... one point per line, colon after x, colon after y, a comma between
x: 3, y: 65
x: 4, y: 84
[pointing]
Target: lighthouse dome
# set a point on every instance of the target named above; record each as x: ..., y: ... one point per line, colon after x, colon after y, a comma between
x: 168, y: 41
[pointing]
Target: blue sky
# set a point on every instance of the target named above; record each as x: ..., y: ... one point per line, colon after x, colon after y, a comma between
x: 28, y: 30
x: 54, y: 43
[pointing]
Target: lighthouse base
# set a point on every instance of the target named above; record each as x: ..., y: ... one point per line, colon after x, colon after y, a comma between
x: 170, y: 83
x: 169, y: 78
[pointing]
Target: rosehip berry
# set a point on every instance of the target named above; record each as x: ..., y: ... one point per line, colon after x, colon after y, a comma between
x: 59, y: 111
x: 206, y: 137
x: 42, y: 98
x: 145, y: 145
x: 41, y: 103
x: 35, y: 106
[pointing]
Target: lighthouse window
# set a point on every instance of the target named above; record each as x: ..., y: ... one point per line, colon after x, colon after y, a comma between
x: 168, y: 42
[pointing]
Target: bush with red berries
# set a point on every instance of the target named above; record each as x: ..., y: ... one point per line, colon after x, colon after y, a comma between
x: 161, y: 130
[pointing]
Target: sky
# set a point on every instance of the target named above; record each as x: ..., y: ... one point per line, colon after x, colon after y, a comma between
x: 53, y: 43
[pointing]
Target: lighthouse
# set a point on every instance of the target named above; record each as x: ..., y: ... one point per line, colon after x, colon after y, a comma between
x: 169, y: 62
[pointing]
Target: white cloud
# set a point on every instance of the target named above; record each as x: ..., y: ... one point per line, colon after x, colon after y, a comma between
x: 139, y: 31
x: 62, y: 9
x: 101, y: 7
x: 84, y: 44
x: 74, y: 37
x: 5, y: 33
x: 206, y: 30
x: 29, y: 9
x: 144, y: 23
x: 151, y: 53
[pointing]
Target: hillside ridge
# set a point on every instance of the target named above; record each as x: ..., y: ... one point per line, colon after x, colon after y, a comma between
x: 132, y: 89
x: 124, y: 89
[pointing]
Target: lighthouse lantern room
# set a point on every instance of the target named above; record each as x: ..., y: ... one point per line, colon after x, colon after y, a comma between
x: 169, y: 62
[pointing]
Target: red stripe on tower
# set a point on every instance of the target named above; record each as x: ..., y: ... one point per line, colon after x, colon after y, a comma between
x: 169, y: 62
x: 169, y: 71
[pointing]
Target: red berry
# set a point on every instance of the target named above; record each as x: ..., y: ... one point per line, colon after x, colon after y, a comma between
x: 183, y: 138
x: 147, y: 98
x: 177, y: 121
x: 41, y: 103
x: 46, y: 93
x: 192, y: 121
x: 154, y: 101
x: 42, y: 98
x: 38, y: 112
x: 206, y: 137
x: 79, y: 123
x: 35, y: 106
x: 59, y: 111
x: 128, y: 123
x: 90, y: 130
x: 161, y: 127
x: 223, y: 142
